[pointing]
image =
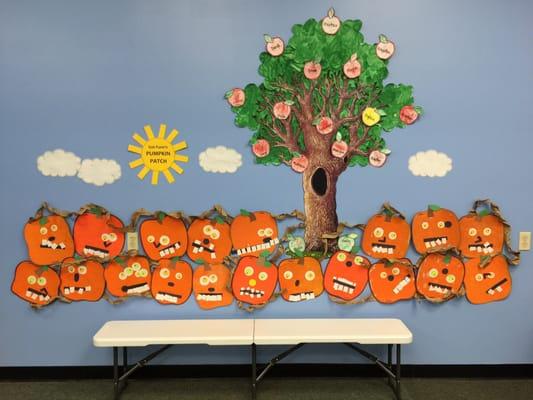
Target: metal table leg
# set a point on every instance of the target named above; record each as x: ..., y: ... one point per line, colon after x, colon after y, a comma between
x: 389, y: 363
x: 115, y: 372
x: 125, y: 364
x: 398, y: 372
x: 254, y: 372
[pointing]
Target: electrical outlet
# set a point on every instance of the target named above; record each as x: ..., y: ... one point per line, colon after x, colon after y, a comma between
x: 132, y: 240
x: 524, y: 242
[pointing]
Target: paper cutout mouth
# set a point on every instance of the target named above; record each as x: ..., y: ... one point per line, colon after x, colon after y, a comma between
x: 343, y: 285
x: 383, y: 248
x: 251, y: 292
x: 403, y: 283
x: 169, y: 249
x: 76, y: 289
x: 442, y: 289
x: 34, y: 294
x: 95, y: 251
x: 199, y: 247
x: 49, y: 244
x: 209, y: 296
x: 496, y: 288
x: 485, y: 248
x: 257, y: 247
x: 435, y: 241
x: 301, y: 296
x: 137, y: 288
x: 168, y: 297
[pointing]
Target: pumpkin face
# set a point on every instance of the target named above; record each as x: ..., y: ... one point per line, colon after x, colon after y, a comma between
x: 210, y: 286
x: 300, y: 279
x: 489, y: 283
x: 35, y: 284
x: 82, y: 282
x: 440, y: 277
x: 392, y: 281
x: 254, y: 233
x: 128, y: 276
x: 254, y: 280
x: 163, y: 237
x: 208, y: 241
x: 435, y: 230
x: 346, y: 275
x: 386, y: 237
x: 171, y: 282
x: 481, y: 235
x: 48, y: 240
x: 95, y: 237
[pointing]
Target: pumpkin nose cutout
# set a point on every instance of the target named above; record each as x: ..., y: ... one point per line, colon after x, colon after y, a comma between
x: 448, y: 224
x: 76, y: 277
x: 478, y: 240
x: 382, y: 240
x: 52, y: 238
x: 445, y: 271
x: 349, y: 263
x: 206, y: 241
x: 266, y: 240
x: 211, y: 289
x: 171, y: 284
x: 390, y: 277
x: 252, y: 282
x: 297, y: 282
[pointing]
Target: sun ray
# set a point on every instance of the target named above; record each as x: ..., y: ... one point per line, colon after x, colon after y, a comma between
x: 182, y: 158
x: 155, y: 177
x: 139, y: 139
x: 136, y: 163
x: 180, y: 146
x: 143, y: 172
x: 162, y: 130
x: 168, y: 175
x: 149, y: 132
x: 172, y: 135
x: 135, y: 149
x: 177, y: 168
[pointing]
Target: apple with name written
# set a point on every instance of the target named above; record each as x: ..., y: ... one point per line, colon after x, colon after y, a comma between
x: 274, y: 45
x: 282, y: 109
x: 324, y: 125
x: 408, y: 114
x: 261, y: 148
x: 352, y: 67
x: 235, y: 97
x: 312, y: 70
x: 385, y: 48
x: 339, y: 147
x: 299, y: 163
x: 377, y: 158
x: 331, y: 23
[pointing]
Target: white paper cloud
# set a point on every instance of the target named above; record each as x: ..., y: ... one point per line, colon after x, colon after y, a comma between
x: 58, y: 163
x: 99, y: 172
x: 220, y: 159
x: 430, y: 163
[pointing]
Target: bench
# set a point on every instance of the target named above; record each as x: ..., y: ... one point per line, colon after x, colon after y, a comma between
x: 254, y: 332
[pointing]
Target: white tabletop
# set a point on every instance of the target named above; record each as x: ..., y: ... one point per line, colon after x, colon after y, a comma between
x: 329, y: 330
x: 215, y: 332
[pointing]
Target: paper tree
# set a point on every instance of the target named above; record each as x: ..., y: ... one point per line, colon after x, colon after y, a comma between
x: 322, y: 107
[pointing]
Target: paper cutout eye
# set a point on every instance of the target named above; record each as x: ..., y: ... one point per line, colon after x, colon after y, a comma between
x: 213, y: 278
x: 136, y: 266
x: 204, y: 280
x: 425, y: 225
x: 141, y: 274
x: 43, y: 231
x: 261, y: 233
x: 487, y: 231
x: 150, y: 239
x: 104, y: 237
x: 441, y: 224
x: 248, y: 271
x: 395, y: 271
x: 287, y: 275
x: 178, y: 276
x: 164, y: 240
x: 472, y: 231
x: 41, y: 281
x: 378, y: 232
x: 164, y: 273
x: 309, y: 275
x: 263, y: 276
x: 32, y: 280
x: 479, y: 277
x: 207, y: 230
x: 450, y: 278
x: 393, y: 235
x: 215, y: 234
x: 269, y: 232
x: 71, y: 269
x: 433, y: 273
x: 82, y: 269
x: 53, y: 228
x: 341, y: 256
x: 122, y: 276
x: 113, y: 237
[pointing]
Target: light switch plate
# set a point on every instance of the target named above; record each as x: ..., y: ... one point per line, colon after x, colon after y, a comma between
x: 524, y: 242
x: 132, y: 240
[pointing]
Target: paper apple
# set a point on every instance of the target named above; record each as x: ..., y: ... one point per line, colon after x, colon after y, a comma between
x: 312, y: 70
x: 261, y: 148
x: 371, y: 116
x: 274, y: 45
x: 339, y: 147
x: 331, y: 23
x: 377, y: 158
x: 236, y: 97
x: 324, y: 125
x: 300, y: 163
x: 385, y: 48
x: 352, y: 68
x: 282, y: 110
x: 408, y: 114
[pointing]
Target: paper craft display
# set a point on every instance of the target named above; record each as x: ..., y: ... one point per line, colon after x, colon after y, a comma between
x: 346, y: 275
x: 430, y: 163
x: 254, y: 280
x: 220, y: 159
x: 385, y: 48
x: 300, y: 279
x: 274, y: 45
x: 235, y: 97
x: 435, y: 229
x: 211, y: 283
x: 481, y: 235
x: 253, y: 233
x: 487, y: 279
x: 392, y: 281
x: 440, y: 277
x: 98, y: 234
x: 82, y: 281
x: 38, y: 285
x: 158, y: 154
x: 171, y: 281
x: 331, y: 23
x: 48, y: 240
x: 163, y: 237
x: 128, y: 276
x: 209, y: 240
x: 58, y: 162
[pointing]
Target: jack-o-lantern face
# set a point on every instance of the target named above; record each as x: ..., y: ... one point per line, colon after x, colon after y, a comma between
x: 209, y: 241
x: 48, y: 240
x: 96, y: 235
x: 210, y: 286
x: 254, y: 233
x: 346, y: 275
x: 254, y: 280
x: 300, y: 279
x: 163, y: 237
x: 128, y: 276
x: 392, y: 281
x: 435, y: 229
x: 481, y: 235
x: 82, y: 281
x: 172, y: 282
x: 386, y: 237
x: 489, y: 283
x: 35, y: 284
x: 440, y: 277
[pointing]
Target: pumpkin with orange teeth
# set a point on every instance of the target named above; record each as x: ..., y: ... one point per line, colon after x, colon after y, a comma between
x: 253, y: 233
x: 346, y: 275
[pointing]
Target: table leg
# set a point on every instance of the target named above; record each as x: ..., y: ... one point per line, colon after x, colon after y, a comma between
x: 398, y: 372
x: 389, y: 362
x: 254, y: 372
x: 125, y: 364
x: 115, y: 372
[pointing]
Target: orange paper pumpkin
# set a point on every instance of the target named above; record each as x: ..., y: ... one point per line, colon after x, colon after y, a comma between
x: 254, y: 233
x: 128, y: 276
x: 386, y: 235
x: 488, y: 283
x: 171, y: 282
x: 97, y: 234
x: 209, y: 241
x: 48, y: 240
x: 435, y: 229
x: 210, y: 286
x: 481, y: 235
x: 163, y: 237
x: 35, y: 284
x: 254, y: 280
x: 300, y: 279
x: 440, y: 277
x: 346, y: 275
x: 82, y: 281
x: 392, y: 281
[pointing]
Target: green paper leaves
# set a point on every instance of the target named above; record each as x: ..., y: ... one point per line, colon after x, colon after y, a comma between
x: 244, y: 212
x: 219, y: 219
x: 447, y: 259
x: 43, y: 221
x: 96, y: 210
x: 483, y: 212
x: 433, y: 207
x: 120, y: 261
x: 160, y: 216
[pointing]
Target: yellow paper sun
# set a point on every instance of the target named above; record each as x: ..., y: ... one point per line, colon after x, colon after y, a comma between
x: 158, y: 154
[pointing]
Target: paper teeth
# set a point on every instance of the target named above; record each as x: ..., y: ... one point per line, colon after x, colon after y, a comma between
x: 403, y: 283
x: 91, y: 251
x: 138, y: 289
x: 301, y: 296
x: 209, y: 297
x: 247, y: 291
x: 166, y: 297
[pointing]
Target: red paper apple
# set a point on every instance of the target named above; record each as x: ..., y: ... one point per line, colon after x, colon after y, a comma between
x: 331, y: 23
x: 352, y: 68
x: 282, y: 110
x: 261, y: 148
x: 385, y: 48
x: 408, y: 114
x: 236, y: 97
x: 339, y: 147
x: 377, y: 158
x: 274, y: 45
x: 300, y: 163
x: 312, y: 70
x: 324, y: 125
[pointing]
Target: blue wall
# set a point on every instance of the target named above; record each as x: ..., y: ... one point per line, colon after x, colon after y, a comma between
x: 84, y: 75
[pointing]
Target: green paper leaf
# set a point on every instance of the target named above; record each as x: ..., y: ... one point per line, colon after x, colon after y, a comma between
x: 77, y: 257
x: 289, y: 102
x: 434, y: 207
x: 447, y: 259
x: 219, y: 219
x: 244, y: 212
x: 338, y: 137
x: 267, y: 38
x: 228, y: 94
x: 160, y: 216
x: 43, y: 221
x: 120, y: 261
x: 483, y: 212
x: 200, y: 261
x: 383, y: 38
x: 97, y: 211
x: 175, y: 259
x: 356, y: 249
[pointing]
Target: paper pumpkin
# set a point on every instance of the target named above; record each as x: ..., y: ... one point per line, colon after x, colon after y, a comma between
x: 346, y: 275
x: 440, y: 276
x: 254, y: 280
x: 481, y: 234
x: 435, y: 229
x: 48, y: 240
x: 252, y: 233
x: 386, y: 235
x: 38, y: 285
x: 300, y: 279
x: 163, y: 237
x: 128, y: 276
x: 487, y: 283
x: 392, y: 281
x: 208, y: 240
x: 97, y: 234
x: 82, y: 281
x: 210, y: 286
x: 171, y: 282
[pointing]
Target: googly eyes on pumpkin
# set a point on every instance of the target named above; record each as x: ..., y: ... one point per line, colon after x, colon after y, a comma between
x: 287, y: 275
x: 164, y: 273
x: 479, y: 277
x: 383, y: 275
x: 378, y: 232
x: 341, y: 257
x: 32, y: 280
x: 136, y: 266
x: 71, y: 269
x: 41, y: 281
x: 248, y: 271
x: 487, y: 231
x: 425, y: 225
x: 213, y: 278
x: 150, y: 238
x: 207, y: 230
x: 269, y: 232
x: 491, y: 275
x: 441, y: 224
x: 309, y: 275
x: 433, y: 273
x: 450, y: 278
x: 104, y: 237
x: 141, y: 274
x: 472, y: 232
x: 204, y: 280
x: 178, y: 276
x: 359, y: 260
x: 82, y: 269
x: 260, y: 232
x: 396, y: 271
x: 265, y: 232
x: 128, y: 271
x: 393, y: 235
x: 53, y: 228
x: 215, y: 234
x: 263, y: 276
x: 164, y: 240
x: 43, y: 230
